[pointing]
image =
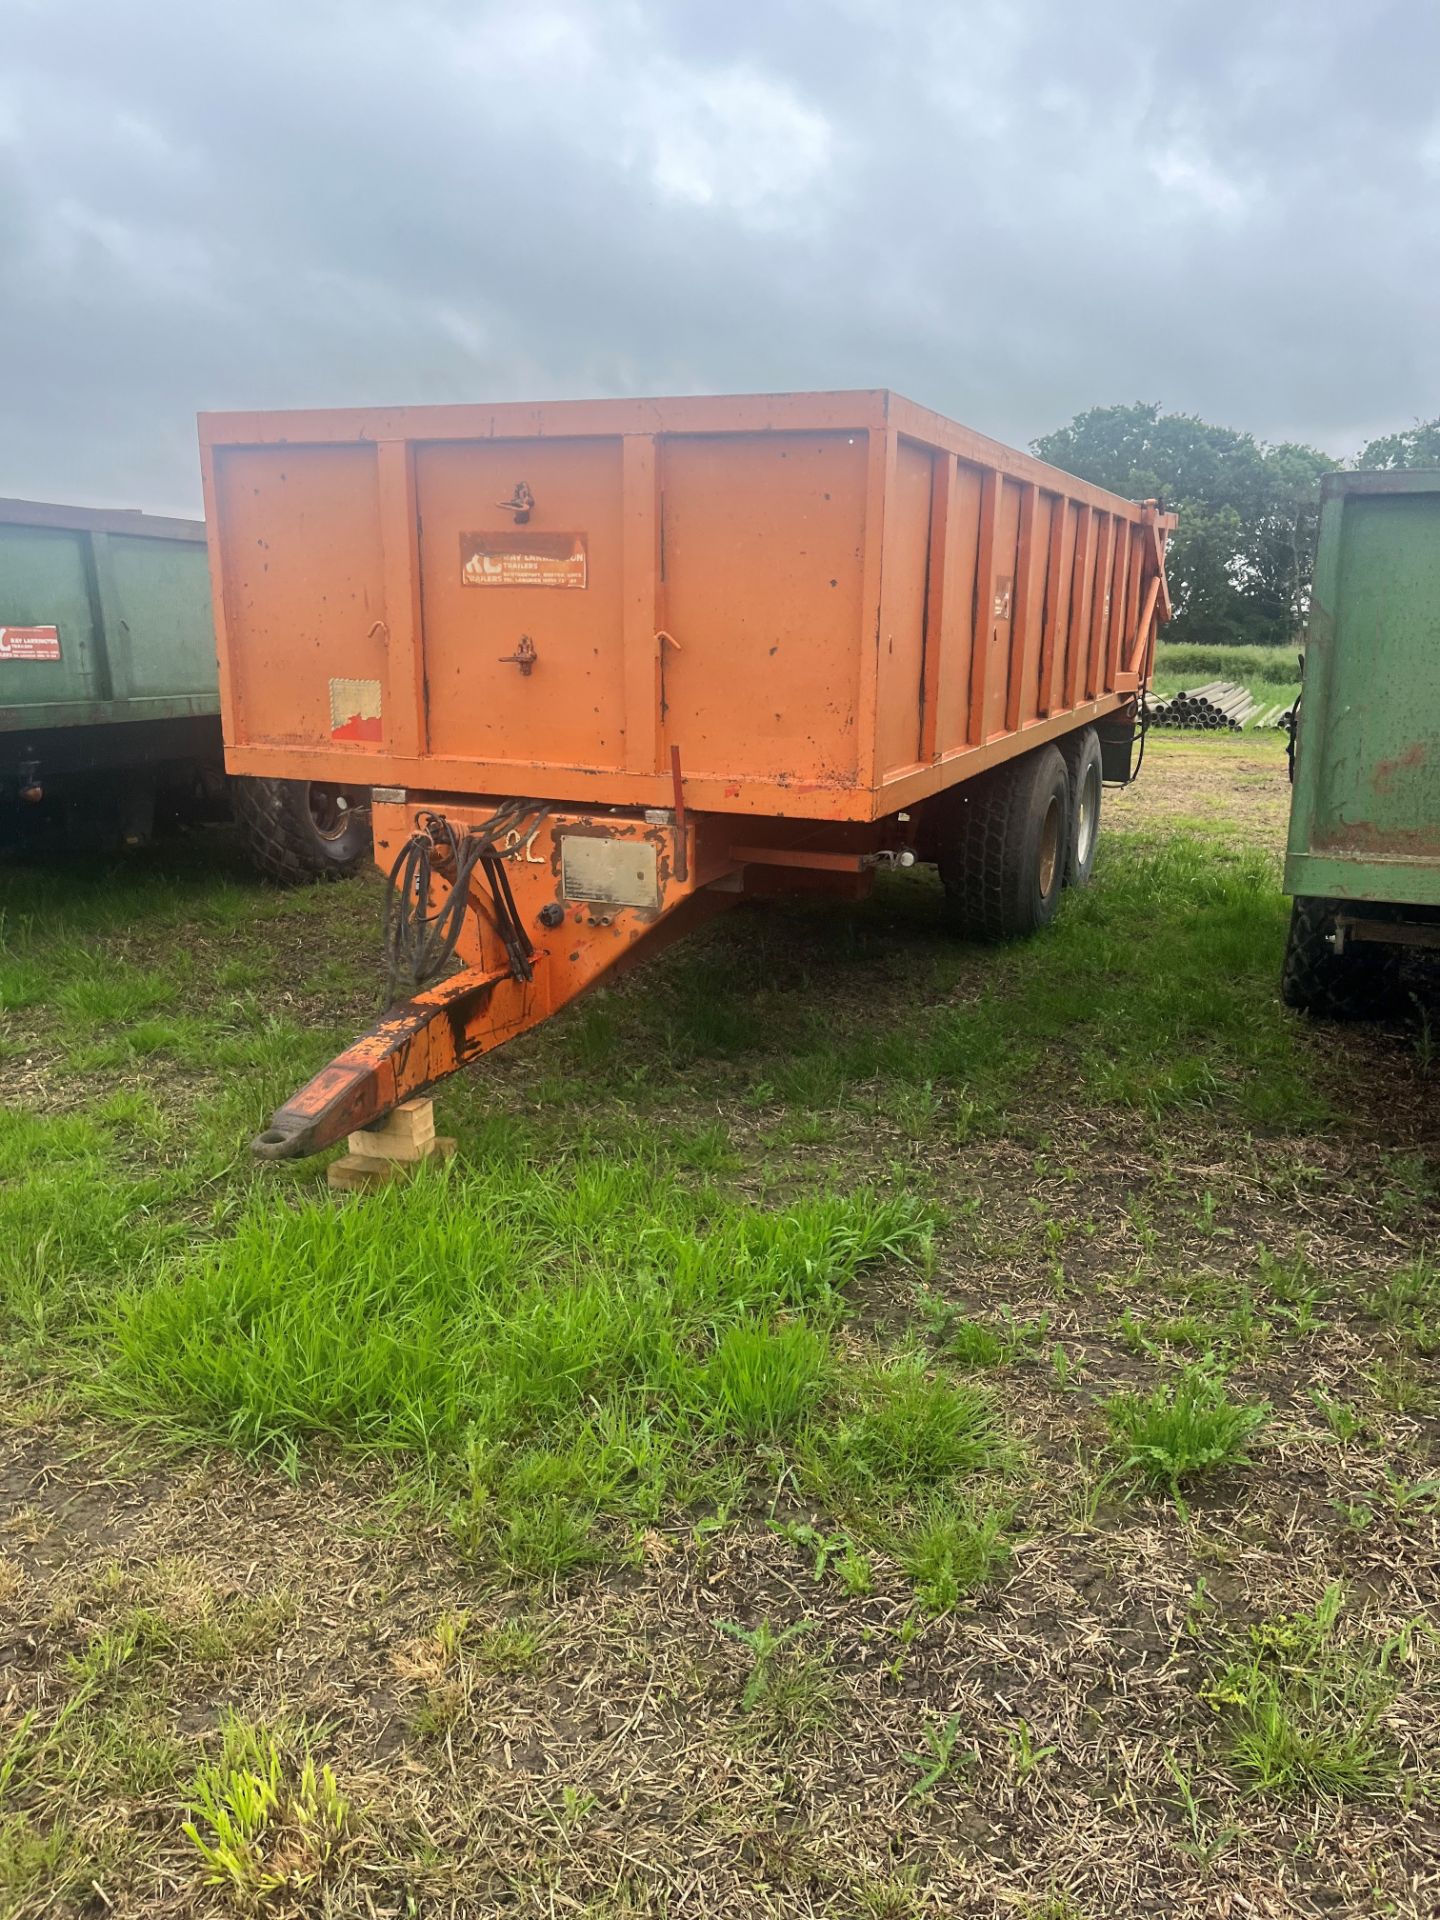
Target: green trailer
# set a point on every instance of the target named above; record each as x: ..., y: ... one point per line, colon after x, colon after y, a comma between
x: 1363, y: 860
x: 109, y: 696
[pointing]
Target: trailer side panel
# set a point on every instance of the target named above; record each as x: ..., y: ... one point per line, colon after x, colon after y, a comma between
x: 1365, y: 818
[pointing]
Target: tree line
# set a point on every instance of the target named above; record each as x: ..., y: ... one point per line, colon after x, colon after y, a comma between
x: 1240, y: 563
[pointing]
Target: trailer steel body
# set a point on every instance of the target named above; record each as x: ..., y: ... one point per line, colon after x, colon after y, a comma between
x: 720, y: 646
x: 107, y: 655
x: 110, y: 698
x: 1363, y: 857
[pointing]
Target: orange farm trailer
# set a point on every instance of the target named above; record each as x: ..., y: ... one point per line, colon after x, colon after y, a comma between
x: 610, y: 666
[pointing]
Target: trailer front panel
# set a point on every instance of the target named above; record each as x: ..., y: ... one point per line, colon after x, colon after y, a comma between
x: 831, y: 605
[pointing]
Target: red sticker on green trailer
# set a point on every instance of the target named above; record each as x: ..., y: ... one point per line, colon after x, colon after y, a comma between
x: 29, y: 643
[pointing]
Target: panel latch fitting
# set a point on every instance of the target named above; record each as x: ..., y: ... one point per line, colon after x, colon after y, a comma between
x: 524, y: 656
x: 521, y: 503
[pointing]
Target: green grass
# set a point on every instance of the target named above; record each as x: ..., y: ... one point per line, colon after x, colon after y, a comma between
x: 696, y: 1316
x: 1251, y: 666
x: 954, y: 1543
x: 900, y: 1430
x: 264, y: 1822
x: 115, y: 995
x: 572, y: 1349
x: 1154, y: 992
x: 762, y: 1379
x: 1184, y: 1429
x: 588, y: 1327
x: 499, y: 1303
x: 1239, y: 1331
x: 910, y: 1460
x: 1226, y: 1318
x: 1410, y: 1303
x: 31, y: 1140
x: 1304, y: 1703
x: 1271, y: 673
x: 978, y: 1344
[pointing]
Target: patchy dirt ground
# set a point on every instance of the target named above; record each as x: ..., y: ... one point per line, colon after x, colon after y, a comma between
x: 1065, y: 1742
x: 1235, y: 783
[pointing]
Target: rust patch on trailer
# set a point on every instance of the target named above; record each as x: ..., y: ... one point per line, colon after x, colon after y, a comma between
x: 1380, y: 842
x: 1383, y: 778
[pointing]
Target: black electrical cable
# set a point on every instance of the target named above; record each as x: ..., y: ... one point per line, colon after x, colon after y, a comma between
x: 1292, y: 725
x: 418, y: 944
x: 1144, y: 729
x: 507, y: 919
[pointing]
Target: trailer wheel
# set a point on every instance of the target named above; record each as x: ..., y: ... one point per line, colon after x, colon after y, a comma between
x: 1357, y: 984
x: 298, y: 830
x: 1004, y: 852
x: 1087, y: 781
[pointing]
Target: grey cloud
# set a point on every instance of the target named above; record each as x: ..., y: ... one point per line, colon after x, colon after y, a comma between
x: 1009, y: 211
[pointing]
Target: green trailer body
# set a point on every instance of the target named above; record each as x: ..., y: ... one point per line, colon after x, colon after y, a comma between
x: 1363, y: 858
x: 110, y: 697
x: 126, y: 597
x: 109, y: 689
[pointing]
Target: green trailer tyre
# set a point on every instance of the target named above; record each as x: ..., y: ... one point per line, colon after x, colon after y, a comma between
x: 296, y: 831
x: 1354, y: 985
x: 1005, y: 848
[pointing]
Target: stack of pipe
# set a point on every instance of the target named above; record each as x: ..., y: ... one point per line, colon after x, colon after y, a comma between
x: 1219, y: 704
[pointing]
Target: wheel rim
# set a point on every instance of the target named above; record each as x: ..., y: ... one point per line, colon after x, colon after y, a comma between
x: 1050, y: 846
x: 1089, y: 811
x: 330, y: 811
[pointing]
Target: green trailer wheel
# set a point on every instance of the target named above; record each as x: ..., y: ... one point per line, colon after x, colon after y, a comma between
x: 296, y: 831
x: 1356, y: 984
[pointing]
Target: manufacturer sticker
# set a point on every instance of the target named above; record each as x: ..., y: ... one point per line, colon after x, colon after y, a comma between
x: 522, y: 559
x: 1004, y: 588
x: 354, y: 709
x: 29, y: 643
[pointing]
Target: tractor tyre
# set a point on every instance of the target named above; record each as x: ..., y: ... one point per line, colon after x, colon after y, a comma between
x: 296, y: 831
x: 1359, y: 984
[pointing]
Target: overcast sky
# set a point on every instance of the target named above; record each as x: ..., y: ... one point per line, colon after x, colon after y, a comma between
x: 1008, y: 211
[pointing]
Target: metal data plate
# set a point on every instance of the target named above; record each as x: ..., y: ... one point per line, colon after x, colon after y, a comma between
x: 610, y: 873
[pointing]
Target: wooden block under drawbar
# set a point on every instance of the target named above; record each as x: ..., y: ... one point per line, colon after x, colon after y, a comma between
x: 412, y: 1121
x: 354, y: 1171
x: 371, y: 1146
x: 406, y: 1134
